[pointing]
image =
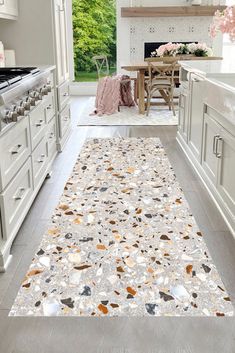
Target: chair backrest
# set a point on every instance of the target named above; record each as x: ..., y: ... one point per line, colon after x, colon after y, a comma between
x: 102, y: 65
x: 162, y: 69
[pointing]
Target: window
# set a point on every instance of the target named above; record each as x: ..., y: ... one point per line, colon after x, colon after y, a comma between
x: 94, y: 32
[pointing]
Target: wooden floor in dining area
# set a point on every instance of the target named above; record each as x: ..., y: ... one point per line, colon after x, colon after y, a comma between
x: 117, y: 335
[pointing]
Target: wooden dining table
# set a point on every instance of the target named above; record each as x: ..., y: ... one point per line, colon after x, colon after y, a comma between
x: 141, y: 69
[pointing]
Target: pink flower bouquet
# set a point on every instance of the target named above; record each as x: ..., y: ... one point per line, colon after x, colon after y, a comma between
x: 224, y: 21
x: 174, y: 49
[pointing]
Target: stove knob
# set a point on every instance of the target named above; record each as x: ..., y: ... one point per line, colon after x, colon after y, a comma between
x: 43, y: 91
x: 21, y: 109
x: 48, y: 88
x: 11, y: 115
x: 27, y: 103
x: 36, y: 96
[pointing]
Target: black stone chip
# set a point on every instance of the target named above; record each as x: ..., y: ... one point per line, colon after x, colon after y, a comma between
x: 165, y: 297
x: 206, y: 268
x: 40, y: 252
x: 86, y: 291
x: 68, y: 302
x: 150, y: 308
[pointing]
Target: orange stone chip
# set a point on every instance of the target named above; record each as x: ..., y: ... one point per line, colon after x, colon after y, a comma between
x: 63, y: 207
x: 53, y: 231
x: 77, y: 221
x: 130, y: 170
x: 189, y: 269
x: 34, y: 272
x: 131, y: 291
x: 103, y: 309
x: 101, y: 247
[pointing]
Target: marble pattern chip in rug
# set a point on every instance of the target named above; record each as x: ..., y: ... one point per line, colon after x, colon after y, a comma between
x: 122, y: 242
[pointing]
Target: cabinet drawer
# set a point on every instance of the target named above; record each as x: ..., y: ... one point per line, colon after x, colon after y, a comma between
x: 39, y: 160
x: 14, y: 150
x: 37, y: 124
x: 65, y: 120
x: 50, y: 106
x: 51, y: 139
x: 15, y: 199
x: 63, y: 95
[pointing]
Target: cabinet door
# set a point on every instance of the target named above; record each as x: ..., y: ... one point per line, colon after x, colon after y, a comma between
x: 211, y: 131
x: 196, y: 115
x: 61, y: 41
x: 183, y: 114
x: 226, y: 179
x: 8, y: 8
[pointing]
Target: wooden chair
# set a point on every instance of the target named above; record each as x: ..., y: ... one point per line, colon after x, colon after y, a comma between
x: 102, y: 65
x: 161, y: 78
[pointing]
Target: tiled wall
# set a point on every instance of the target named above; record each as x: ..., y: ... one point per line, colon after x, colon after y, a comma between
x: 175, y: 29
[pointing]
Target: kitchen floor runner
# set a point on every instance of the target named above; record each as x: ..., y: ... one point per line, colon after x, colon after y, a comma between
x: 122, y: 242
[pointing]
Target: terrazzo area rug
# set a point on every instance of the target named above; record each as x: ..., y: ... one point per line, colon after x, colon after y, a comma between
x: 127, y: 116
x: 122, y: 242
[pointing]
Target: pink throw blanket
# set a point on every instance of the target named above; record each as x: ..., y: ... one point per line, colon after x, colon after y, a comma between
x: 113, y: 91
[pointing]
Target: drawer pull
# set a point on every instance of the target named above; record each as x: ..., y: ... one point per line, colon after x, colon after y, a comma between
x: 51, y: 135
x: 66, y: 118
x: 66, y: 94
x: 42, y: 158
x: 16, y: 149
x: 215, y: 143
x: 218, y: 154
x: 20, y: 194
x: 40, y: 123
x: 49, y: 107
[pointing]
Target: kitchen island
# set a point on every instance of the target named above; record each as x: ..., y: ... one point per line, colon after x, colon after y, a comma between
x: 206, y: 130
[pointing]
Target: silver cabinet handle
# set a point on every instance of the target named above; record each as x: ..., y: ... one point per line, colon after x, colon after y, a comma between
x: 42, y: 158
x: 51, y: 135
x: 66, y: 94
x: 40, y: 123
x: 19, y: 195
x: 66, y: 118
x: 16, y: 149
x: 214, y: 143
x: 49, y: 107
x: 218, y: 154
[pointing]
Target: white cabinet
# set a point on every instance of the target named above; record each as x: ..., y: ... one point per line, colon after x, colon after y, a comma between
x: 27, y: 151
x: 207, y: 137
x: 226, y: 163
x: 218, y: 160
x: 195, y: 114
x: 211, y: 135
x: 9, y: 9
x: 183, y: 112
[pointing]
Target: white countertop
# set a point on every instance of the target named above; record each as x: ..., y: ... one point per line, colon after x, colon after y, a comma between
x: 209, y: 68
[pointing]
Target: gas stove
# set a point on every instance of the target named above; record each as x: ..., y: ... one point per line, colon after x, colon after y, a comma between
x: 21, y: 88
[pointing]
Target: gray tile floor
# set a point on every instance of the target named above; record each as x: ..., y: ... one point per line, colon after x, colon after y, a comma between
x: 116, y: 335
